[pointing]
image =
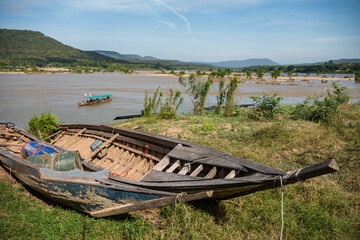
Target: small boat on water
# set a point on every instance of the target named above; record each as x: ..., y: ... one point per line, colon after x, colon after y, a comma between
x: 89, y: 100
x: 105, y: 170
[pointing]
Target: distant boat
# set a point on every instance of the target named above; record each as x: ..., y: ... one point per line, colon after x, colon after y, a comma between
x: 89, y: 100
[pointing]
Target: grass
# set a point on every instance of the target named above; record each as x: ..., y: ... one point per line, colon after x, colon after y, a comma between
x: 326, y: 207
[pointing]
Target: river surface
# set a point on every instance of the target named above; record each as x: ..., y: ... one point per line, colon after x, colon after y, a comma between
x: 24, y: 95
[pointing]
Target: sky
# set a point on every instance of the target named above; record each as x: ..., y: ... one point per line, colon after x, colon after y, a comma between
x: 285, y: 31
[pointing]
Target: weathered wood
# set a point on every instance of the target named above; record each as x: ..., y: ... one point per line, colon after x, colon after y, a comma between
x: 211, y: 173
x: 103, y: 146
x: 197, y: 170
x: 10, y: 144
x: 58, y: 137
x: 162, y: 164
x: 231, y: 174
x: 184, y: 170
x: 314, y: 171
x: 130, y: 207
x: 173, y: 167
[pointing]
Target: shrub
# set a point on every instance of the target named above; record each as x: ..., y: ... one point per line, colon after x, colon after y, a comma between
x: 357, y: 77
x: 172, y: 103
x: 151, y: 105
x: 197, y: 89
x: 42, y: 125
x: 266, y: 106
x: 322, y: 107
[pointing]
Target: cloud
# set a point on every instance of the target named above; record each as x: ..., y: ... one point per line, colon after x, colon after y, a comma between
x: 169, y: 24
x: 177, y: 14
x: 336, y: 39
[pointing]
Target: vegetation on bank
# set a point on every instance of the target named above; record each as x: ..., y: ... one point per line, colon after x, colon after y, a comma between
x: 325, y: 207
x: 27, y: 51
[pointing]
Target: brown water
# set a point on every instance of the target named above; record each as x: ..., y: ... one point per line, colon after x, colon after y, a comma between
x: 22, y: 96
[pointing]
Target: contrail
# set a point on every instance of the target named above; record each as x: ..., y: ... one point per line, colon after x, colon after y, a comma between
x: 177, y: 14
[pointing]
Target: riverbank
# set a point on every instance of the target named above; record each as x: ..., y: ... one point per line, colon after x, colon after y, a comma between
x: 326, y: 207
x: 243, y: 77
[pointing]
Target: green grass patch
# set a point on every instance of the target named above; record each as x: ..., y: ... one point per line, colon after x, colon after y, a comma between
x: 326, y: 207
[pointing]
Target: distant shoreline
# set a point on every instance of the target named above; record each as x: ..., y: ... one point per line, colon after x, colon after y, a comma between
x: 242, y: 77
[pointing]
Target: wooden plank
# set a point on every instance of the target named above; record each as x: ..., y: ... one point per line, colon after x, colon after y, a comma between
x: 173, y: 167
x: 73, y: 138
x: 211, y: 173
x: 127, y: 147
x: 103, y: 146
x: 184, y: 170
x: 197, y: 170
x: 129, y: 165
x: 231, y: 174
x: 162, y: 164
x: 58, y: 137
x: 11, y: 145
x: 130, y: 207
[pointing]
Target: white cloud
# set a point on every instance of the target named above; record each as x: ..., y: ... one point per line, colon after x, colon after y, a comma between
x: 336, y: 39
x: 169, y: 24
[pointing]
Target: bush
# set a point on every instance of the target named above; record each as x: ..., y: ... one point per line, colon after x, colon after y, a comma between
x: 172, y: 103
x: 151, y: 105
x: 322, y: 108
x: 266, y: 106
x: 45, y: 124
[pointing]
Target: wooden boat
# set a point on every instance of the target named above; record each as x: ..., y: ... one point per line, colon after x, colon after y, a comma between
x: 89, y: 100
x: 123, y: 170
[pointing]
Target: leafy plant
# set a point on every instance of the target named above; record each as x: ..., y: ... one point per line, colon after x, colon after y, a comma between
x: 248, y: 74
x: 266, y: 105
x: 197, y: 89
x: 260, y: 74
x: 229, y: 107
x: 41, y: 126
x: 151, y: 105
x: 172, y: 103
x: 357, y: 77
x: 275, y: 74
x: 322, y: 107
x: 221, y: 97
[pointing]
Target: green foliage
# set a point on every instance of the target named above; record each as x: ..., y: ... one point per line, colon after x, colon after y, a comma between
x: 152, y: 104
x: 197, y: 89
x: 171, y: 105
x: 322, y: 108
x: 266, y: 106
x: 46, y: 123
x: 260, y: 74
x: 220, y: 98
x: 275, y: 74
x: 168, y: 108
x: 249, y: 74
x: 328, y: 67
x: 229, y: 107
x: 357, y: 77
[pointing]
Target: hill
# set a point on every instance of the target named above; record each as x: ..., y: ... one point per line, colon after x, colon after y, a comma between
x: 243, y: 63
x: 130, y: 57
x: 22, y: 47
x: 156, y: 62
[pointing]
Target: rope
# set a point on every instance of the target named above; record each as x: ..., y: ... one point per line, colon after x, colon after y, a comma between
x: 203, y: 159
x: 282, y: 208
x: 177, y: 200
x: 290, y: 173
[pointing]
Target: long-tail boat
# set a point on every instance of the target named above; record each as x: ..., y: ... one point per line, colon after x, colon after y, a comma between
x: 89, y: 100
x: 105, y: 170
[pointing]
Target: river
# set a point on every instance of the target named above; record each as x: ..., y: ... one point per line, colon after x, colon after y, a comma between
x: 24, y: 95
